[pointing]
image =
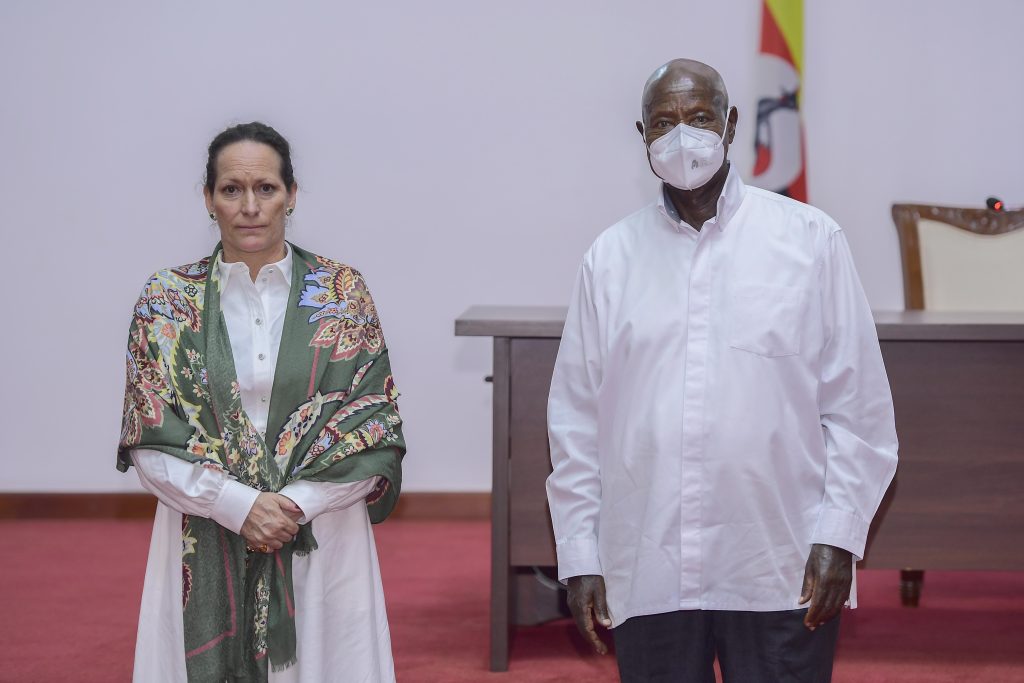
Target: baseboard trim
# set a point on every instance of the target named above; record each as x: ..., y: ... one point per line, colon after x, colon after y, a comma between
x: 440, y: 505
x: 412, y: 505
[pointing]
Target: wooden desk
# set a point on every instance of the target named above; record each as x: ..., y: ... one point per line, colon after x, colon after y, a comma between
x: 956, y: 503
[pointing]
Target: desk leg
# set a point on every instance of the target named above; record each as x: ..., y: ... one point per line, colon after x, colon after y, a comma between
x: 911, y: 581
x: 500, y: 571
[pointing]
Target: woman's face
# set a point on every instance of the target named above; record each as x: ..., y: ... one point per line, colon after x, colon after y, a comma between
x: 249, y: 199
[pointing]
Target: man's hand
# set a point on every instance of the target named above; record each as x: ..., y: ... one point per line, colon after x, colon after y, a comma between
x: 587, y: 602
x: 271, y: 521
x: 827, y: 579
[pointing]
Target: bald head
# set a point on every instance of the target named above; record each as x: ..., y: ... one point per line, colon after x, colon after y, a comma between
x: 684, y: 77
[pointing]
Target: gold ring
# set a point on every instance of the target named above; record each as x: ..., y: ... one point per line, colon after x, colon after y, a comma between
x: 264, y: 549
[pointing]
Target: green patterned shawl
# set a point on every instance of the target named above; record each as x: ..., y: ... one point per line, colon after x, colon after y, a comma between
x: 333, y: 418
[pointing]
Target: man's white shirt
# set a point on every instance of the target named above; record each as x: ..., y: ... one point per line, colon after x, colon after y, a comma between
x: 719, y: 404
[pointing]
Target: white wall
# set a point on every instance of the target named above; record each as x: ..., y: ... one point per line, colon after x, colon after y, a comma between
x: 457, y: 152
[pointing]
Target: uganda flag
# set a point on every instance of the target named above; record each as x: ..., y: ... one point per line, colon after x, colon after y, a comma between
x: 779, y: 163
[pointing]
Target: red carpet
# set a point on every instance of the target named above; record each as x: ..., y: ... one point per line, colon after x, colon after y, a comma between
x: 71, y: 594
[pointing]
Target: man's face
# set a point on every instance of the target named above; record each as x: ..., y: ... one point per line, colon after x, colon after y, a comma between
x: 686, y: 99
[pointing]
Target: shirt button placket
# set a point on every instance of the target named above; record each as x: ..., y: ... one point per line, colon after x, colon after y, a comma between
x: 260, y: 346
x: 695, y: 381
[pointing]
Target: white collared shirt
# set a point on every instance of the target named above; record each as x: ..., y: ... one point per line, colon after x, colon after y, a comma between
x: 718, y: 405
x: 254, y: 315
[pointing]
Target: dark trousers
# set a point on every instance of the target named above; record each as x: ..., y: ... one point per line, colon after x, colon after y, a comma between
x: 752, y: 647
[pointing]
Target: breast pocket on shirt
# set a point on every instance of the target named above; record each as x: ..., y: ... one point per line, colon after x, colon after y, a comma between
x: 766, y: 319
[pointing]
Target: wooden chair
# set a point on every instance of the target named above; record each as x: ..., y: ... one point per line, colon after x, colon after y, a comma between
x: 961, y: 259
x: 958, y: 260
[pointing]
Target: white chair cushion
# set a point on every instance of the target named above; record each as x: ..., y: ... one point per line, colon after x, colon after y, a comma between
x: 964, y: 271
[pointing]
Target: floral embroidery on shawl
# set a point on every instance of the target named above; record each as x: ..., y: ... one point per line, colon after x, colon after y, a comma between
x: 188, y: 547
x: 347, y: 316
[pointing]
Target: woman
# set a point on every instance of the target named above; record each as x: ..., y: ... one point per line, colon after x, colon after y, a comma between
x: 260, y: 410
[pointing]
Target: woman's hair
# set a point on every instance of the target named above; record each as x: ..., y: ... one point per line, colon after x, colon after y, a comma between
x: 255, y: 132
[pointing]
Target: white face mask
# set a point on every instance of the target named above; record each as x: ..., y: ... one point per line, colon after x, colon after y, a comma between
x: 688, y: 157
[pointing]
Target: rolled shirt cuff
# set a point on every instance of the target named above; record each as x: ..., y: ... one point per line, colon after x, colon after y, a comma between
x: 309, y: 496
x: 577, y: 557
x: 232, y: 506
x: 843, y: 529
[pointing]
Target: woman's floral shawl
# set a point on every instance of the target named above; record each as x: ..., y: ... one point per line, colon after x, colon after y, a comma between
x: 333, y: 418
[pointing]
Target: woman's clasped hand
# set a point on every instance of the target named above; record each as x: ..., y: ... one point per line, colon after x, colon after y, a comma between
x: 272, y: 522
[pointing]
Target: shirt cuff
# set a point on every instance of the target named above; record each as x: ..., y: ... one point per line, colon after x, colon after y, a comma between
x: 232, y: 506
x: 309, y: 496
x: 842, y: 529
x: 577, y: 557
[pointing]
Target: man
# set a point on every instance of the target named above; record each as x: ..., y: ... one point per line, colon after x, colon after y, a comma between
x: 720, y: 420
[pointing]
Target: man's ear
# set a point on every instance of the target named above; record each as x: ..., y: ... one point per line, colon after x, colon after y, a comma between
x: 640, y: 128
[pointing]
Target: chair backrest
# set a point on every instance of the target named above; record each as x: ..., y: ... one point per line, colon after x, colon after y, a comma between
x: 961, y: 259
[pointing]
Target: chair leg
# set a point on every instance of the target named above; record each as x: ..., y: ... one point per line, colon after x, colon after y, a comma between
x: 911, y: 581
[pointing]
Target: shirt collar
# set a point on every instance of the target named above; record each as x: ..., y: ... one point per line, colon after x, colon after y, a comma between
x: 280, y: 269
x: 728, y: 202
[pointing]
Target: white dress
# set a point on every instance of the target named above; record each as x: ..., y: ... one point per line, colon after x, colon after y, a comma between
x: 340, y: 618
